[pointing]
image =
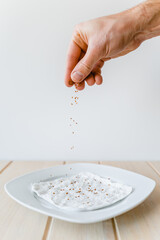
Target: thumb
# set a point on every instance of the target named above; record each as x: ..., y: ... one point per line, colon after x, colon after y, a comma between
x: 85, y: 65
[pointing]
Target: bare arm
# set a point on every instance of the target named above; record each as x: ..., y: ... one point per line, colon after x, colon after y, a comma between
x: 99, y: 40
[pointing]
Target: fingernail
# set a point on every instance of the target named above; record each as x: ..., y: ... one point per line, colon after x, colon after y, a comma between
x: 77, y: 76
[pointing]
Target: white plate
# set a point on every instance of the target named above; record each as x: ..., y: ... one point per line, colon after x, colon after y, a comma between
x: 20, y: 190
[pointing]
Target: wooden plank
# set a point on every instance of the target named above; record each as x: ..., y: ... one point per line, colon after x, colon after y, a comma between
x: 156, y: 166
x: 143, y: 221
x: 61, y: 230
x: 97, y: 231
x: 3, y: 165
x: 16, y: 221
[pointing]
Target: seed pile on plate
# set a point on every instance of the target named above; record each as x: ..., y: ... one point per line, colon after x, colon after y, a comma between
x: 81, y: 192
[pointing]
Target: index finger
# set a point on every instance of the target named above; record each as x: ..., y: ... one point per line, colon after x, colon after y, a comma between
x: 73, y: 56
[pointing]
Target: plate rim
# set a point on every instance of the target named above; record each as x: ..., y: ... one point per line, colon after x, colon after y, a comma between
x: 70, y: 219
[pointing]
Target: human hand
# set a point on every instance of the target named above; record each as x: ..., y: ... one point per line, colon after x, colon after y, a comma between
x: 98, y: 40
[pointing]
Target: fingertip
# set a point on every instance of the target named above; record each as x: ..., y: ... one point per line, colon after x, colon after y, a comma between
x: 98, y: 79
x: 80, y: 86
x: 69, y: 83
x: 90, y: 80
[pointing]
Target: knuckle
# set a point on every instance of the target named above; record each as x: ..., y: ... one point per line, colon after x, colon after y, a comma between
x: 86, y: 66
x: 99, y: 64
x: 137, y: 41
x: 76, y: 28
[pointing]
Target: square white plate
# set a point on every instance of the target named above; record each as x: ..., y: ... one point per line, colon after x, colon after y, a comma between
x: 20, y: 190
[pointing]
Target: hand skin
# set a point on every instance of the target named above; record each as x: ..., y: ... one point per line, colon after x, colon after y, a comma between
x: 99, y: 40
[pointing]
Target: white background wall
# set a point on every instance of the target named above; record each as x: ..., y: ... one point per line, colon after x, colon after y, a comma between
x: 119, y: 120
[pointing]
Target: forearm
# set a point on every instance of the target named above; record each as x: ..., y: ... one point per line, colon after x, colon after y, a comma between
x: 147, y: 16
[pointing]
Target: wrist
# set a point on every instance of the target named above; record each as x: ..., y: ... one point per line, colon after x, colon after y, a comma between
x: 147, y: 18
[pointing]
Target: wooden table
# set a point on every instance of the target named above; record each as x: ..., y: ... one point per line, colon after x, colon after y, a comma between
x: 20, y: 223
